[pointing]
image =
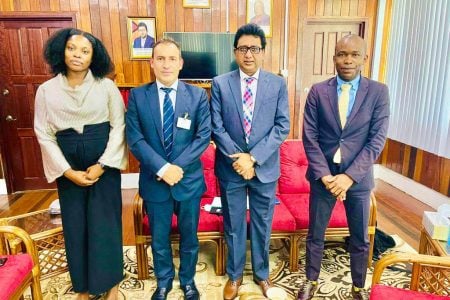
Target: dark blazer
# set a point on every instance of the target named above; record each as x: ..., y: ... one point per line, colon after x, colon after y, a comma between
x: 270, y: 124
x: 362, y: 138
x: 145, y: 139
x: 148, y: 42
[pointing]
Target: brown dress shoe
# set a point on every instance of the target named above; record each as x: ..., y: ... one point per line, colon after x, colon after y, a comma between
x: 359, y: 293
x: 307, y: 290
x: 230, y: 291
x: 264, y: 284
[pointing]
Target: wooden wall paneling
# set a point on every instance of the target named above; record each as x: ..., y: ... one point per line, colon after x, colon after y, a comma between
x: 431, y: 167
x: 142, y: 8
x: 179, y: 16
x: 362, y: 5
x: 188, y: 20
x: 105, y: 25
x: 345, y: 8
x: 170, y: 15
x: 116, y: 37
x: 54, y: 5
x: 418, y: 166
x: 223, y: 17
x: 297, y: 117
x: 328, y: 8
x: 215, y: 15
x: 75, y: 6
x: 22, y: 5
x: 412, y: 162
x: 35, y: 5
x: 276, y: 51
x: 45, y: 5
x: 6, y: 5
x: 233, y: 20
x: 395, y: 156
x: 242, y: 12
x: 94, y: 11
x: 197, y: 15
x: 292, y: 59
x: 336, y: 11
x: 353, y: 9
x: 65, y: 5
x: 444, y: 187
x: 406, y: 160
x: 317, y: 8
x: 85, y: 15
x: 207, y: 22
x: 126, y: 67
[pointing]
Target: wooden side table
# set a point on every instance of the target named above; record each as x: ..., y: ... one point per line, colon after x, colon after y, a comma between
x: 431, y: 279
x: 46, y: 231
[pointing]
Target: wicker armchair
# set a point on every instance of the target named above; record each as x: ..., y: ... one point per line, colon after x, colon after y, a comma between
x: 430, y: 277
x: 21, y: 270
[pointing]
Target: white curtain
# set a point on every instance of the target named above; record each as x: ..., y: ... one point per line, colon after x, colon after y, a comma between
x: 418, y: 74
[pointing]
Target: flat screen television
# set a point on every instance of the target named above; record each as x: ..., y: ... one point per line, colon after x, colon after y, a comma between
x: 205, y: 54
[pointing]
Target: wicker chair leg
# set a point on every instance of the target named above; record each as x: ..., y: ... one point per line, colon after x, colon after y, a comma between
x: 36, y: 289
x: 293, y: 253
x: 142, y: 261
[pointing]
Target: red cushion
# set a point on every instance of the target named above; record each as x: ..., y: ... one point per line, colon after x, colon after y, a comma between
x: 208, y: 159
x: 298, y: 205
x: 380, y: 292
x: 13, y: 273
x: 293, y: 167
x: 207, y: 222
x: 283, y: 220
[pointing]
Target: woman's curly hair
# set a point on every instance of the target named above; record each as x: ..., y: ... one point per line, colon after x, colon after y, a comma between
x: 54, y: 50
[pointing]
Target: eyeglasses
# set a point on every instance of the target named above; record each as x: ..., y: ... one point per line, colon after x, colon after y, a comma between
x: 253, y: 49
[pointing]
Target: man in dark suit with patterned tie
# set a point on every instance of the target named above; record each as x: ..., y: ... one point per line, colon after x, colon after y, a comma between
x: 250, y: 120
x: 344, y: 131
x: 168, y: 128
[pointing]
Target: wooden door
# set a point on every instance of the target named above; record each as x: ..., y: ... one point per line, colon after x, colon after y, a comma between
x: 23, y: 69
x: 319, y: 40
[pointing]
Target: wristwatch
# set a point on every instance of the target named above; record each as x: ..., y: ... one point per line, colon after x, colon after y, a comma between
x: 253, y: 159
x: 102, y: 165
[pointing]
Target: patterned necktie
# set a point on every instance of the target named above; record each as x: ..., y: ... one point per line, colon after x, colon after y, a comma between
x: 343, y: 101
x: 168, y: 121
x: 247, y: 105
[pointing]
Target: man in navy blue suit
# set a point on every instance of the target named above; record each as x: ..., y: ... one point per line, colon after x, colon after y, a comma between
x: 344, y: 131
x: 168, y: 128
x: 144, y: 40
x: 250, y: 120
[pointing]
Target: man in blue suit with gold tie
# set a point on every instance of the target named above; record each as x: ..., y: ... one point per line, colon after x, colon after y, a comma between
x: 250, y: 120
x: 344, y: 131
x: 168, y: 128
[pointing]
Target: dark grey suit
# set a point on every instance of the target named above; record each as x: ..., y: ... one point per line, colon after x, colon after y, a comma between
x: 270, y: 126
x: 361, y: 142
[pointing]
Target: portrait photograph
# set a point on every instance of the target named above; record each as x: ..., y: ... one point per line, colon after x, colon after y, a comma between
x: 141, y: 37
x: 260, y: 12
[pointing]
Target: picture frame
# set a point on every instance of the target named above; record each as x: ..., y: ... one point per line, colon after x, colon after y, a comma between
x: 141, y: 37
x: 260, y: 12
x: 197, y: 3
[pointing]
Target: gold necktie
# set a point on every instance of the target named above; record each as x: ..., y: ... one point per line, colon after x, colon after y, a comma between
x: 343, y: 101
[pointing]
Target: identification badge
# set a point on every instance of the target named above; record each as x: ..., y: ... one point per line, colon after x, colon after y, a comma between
x: 184, y: 122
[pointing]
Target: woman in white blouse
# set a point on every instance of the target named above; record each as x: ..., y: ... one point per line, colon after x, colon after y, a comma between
x: 79, y: 123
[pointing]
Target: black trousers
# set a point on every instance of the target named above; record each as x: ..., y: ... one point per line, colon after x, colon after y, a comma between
x: 91, y: 216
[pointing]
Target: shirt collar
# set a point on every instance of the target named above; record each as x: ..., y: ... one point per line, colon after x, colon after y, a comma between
x: 354, y: 82
x: 243, y: 75
x: 174, y: 85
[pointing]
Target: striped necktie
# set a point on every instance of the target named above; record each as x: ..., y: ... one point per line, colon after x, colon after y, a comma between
x: 167, y: 121
x: 343, y: 102
x: 247, y: 105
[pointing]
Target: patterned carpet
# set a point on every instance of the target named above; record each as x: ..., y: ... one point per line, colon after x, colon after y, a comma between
x: 335, y: 280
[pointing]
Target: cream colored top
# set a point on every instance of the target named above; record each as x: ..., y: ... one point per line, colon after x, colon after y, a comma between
x: 59, y: 106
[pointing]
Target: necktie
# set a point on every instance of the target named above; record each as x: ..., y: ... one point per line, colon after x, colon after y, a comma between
x: 167, y: 121
x: 247, y: 105
x: 343, y: 101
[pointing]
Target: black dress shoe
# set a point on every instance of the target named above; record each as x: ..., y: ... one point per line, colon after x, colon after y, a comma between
x: 359, y: 293
x: 161, y: 293
x: 307, y: 290
x: 190, y: 292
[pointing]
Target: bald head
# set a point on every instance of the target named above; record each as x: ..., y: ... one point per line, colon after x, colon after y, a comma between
x: 353, y: 39
x: 350, y: 55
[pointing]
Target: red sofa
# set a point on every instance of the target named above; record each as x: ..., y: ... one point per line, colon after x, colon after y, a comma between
x: 290, y: 220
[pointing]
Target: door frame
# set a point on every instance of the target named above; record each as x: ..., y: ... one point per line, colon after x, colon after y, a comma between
x: 18, y: 17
